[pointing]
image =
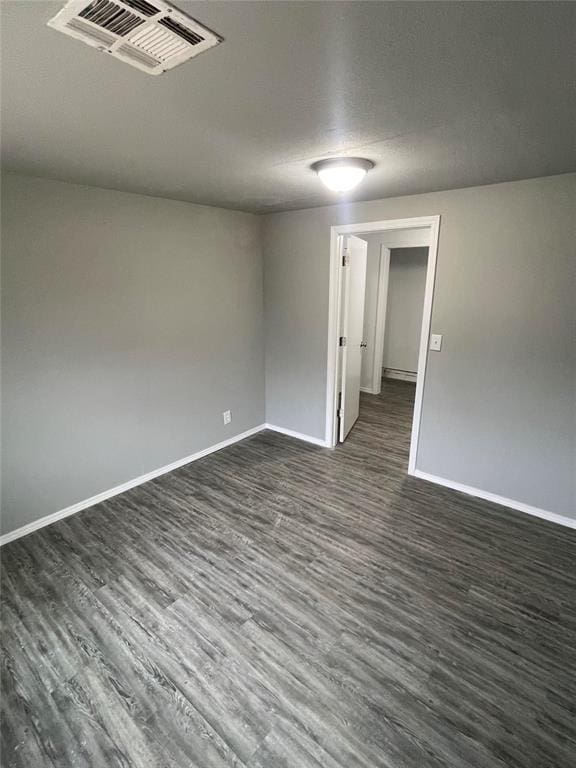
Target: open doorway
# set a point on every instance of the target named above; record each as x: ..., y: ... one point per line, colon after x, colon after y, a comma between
x: 381, y: 290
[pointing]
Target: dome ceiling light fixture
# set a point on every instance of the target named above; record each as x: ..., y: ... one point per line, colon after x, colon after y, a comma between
x: 341, y: 174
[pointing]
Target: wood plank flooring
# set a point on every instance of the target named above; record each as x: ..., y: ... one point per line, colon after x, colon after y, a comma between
x: 279, y: 605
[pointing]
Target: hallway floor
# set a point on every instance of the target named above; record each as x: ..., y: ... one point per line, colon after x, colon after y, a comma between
x: 279, y: 605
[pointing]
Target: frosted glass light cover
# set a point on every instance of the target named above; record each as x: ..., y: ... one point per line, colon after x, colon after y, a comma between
x: 342, y: 174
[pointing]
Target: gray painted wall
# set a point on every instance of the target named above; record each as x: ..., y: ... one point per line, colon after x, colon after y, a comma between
x: 129, y: 324
x: 499, y: 399
x: 406, y: 284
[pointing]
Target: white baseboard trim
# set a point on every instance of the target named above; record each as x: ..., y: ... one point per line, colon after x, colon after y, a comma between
x: 552, y: 517
x: 394, y: 373
x: 98, y: 498
x: 368, y: 390
x: 79, y: 506
x: 297, y: 435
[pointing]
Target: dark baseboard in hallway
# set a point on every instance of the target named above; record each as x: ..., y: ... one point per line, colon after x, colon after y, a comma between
x: 279, y: 604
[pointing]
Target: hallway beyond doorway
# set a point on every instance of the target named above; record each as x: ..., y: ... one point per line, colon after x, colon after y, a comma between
x: 386, y: 421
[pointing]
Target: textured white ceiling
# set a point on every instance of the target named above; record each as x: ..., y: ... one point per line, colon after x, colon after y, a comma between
x: 438, y: 95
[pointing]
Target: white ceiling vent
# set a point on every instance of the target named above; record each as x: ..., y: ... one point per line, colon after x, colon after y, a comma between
x: 149, y: 34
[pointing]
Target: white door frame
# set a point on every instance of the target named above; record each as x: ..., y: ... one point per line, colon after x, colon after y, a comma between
x: 334, y: 310
x: 381, y: 305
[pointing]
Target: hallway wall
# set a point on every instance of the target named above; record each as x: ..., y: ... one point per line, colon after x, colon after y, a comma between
x: 406, y: 284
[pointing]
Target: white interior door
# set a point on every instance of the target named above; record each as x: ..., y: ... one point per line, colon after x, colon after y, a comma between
x: 354, y: 259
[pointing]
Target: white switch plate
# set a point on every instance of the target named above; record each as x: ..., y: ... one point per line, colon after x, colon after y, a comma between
x: 436, y: 342
x: 226, y: 417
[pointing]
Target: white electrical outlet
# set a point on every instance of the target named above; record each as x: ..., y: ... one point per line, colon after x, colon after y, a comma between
x: 226, y: 417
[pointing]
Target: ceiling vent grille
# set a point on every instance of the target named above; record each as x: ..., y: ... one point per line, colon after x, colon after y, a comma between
x: 187, y: 34
x: 139, y: 56
x: 90, y: 31
x: 112, y: 17
x: 154, y: 36
x: 146, y: 9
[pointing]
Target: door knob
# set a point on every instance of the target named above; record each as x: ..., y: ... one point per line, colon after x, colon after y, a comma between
x: 363, y: 344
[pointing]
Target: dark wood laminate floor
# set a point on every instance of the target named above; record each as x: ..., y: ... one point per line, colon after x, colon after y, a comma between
x: 281, y: 605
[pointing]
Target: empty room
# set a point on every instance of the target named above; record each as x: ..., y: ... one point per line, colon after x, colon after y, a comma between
x: 288, y: 384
